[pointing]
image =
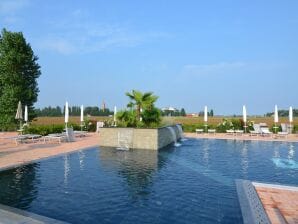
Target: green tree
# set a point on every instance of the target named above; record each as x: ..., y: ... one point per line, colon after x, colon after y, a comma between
x: 141, y: 111
x: 139, y: 100
x: 182, y: 112
x: 211, y: 113
x: 19, y: 71
x: 151, y: 117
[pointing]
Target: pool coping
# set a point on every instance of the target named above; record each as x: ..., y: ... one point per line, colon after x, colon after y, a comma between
x: 44, y: 158
x: 275, y: 186
x: 251, y: 206
x: 17, y: 216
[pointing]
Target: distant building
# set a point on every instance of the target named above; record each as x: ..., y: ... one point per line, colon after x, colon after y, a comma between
x: 192, y: 115
x: 169, y: 109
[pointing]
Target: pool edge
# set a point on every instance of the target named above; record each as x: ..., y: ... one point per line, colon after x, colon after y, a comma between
x: 17, y: 216
x: 251, y: 206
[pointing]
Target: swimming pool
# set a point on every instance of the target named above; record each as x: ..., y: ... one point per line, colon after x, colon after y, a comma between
x: 193, y: 183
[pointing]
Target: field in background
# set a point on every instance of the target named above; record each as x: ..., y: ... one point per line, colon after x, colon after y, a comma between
x: 216, y: 120
x: 60, y: 120
x: 183, y: 120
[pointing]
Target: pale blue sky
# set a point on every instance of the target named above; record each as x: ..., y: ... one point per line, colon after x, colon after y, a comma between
x: 190, y: 53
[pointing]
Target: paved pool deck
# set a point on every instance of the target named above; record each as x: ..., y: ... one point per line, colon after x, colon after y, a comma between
x: 280, y: 202
x: 12, y: 155
x: 274, y: 138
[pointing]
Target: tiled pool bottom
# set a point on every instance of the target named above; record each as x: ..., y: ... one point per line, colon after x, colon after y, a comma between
x: 193, y: 183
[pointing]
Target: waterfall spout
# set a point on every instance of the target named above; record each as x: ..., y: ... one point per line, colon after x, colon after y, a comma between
x: 174, y: 136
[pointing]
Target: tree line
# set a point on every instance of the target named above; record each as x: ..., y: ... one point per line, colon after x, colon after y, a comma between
x: 283, y: 113
x: 90, y: 110
x: 73, y: 111
x: 176, y: 113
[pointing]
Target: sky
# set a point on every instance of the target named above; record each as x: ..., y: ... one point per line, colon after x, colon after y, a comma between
x: 223, y: 54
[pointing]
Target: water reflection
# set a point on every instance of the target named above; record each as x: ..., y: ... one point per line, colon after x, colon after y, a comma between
x: 276, y: 151
x: 291, y: 152
x: 206, y: 146
x: 244, y: 160
x: 19, y: 186
x: 66, y: 169
x: 137, y: 167
x: 81, y: 159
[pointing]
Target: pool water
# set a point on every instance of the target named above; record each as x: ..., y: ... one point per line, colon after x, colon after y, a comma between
x: 193, y: 183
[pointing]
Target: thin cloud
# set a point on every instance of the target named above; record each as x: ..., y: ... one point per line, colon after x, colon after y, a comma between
x: 213, y: 69
x: 9, y: 7
x: 78, y: 34
x: 9, y: 10
x: 56, y: 45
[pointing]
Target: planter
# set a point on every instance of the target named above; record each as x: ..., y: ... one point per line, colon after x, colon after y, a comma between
x: 140, y: 138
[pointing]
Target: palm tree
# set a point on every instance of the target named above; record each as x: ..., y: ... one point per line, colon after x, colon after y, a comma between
x: 141, y: 101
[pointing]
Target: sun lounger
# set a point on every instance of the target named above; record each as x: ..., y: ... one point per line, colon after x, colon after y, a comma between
x: 211, y: 131
x: 55, y: 137
x: 284, y: 133
x: 33, y: 137
x: 80, y: 133
x: 199, y: 131
x: 70, y: 136
x: 256, y: 131
x: 238, y: 132
x: 265, y: 130
x: 24, y: 138
x: 99, y: 125
x: 230, y: 132
x: 18, y: 139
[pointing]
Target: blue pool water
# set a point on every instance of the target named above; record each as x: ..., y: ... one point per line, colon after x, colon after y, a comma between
x: 193, y: 183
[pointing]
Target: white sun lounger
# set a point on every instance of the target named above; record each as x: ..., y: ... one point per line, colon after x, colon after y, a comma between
x: 265, y: 130
x: 68, y: 136
x: 199, y: 131
x: 23, y: 138
x: 80, y: 133
x: 284, y: 133
x: 256, y: 131
x: 239, y: 132
x: 55, y: 137
x: 211, y: 131
x: 230, y: 132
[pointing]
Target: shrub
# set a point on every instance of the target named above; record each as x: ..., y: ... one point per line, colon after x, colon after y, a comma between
x: 295, y: 129
x: 48, y: 129
x: 193, y: 127
x: 224, y: 126
x: 44, y: 129
x: 127, y: 118
x: 151, y: 118
x: 90, y: 125
x: 237, y: 124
